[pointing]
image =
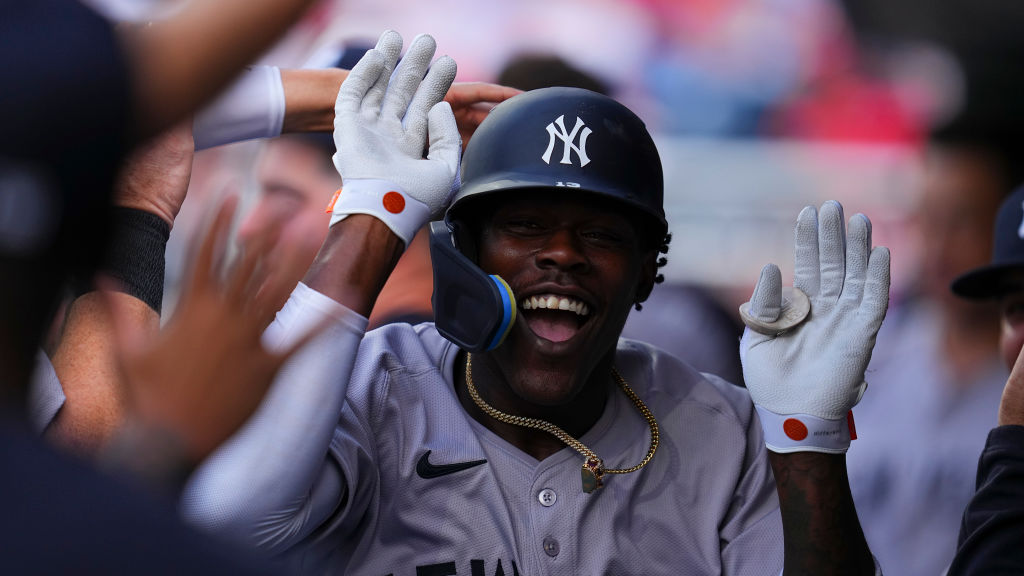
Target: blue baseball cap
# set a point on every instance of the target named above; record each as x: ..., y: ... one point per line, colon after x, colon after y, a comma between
x: 1005, y: 274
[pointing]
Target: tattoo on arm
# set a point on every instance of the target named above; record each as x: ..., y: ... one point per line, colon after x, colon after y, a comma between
x: 822, y: 532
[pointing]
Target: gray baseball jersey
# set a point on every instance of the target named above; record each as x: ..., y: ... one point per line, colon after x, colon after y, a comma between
x: 45, y: 394
x: 408, y: 483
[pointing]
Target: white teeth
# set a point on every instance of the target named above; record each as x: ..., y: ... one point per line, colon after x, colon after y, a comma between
x: 552, y: 302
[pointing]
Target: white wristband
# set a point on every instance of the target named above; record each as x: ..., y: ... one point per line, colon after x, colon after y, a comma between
x: 252, y: 107
x: 383, y: 200
x: 786, y: 433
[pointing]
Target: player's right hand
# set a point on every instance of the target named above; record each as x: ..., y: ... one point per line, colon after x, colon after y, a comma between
x: 381, y: 125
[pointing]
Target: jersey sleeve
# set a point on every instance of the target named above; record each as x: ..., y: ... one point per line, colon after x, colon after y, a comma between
x: 252, y: 107
x: 271, y: 485
x: 993, y: 524
x: 751, y: 533
x: 45, y: 394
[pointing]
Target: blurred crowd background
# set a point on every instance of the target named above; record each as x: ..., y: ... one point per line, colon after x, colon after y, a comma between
x: 759, y: 106
x: 911, y: 112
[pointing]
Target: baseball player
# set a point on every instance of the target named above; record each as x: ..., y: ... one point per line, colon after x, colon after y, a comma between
x: 991, y: 531
x: 518, y: 434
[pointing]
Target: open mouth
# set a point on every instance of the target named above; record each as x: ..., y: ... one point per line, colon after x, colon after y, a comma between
x: 555, y: 317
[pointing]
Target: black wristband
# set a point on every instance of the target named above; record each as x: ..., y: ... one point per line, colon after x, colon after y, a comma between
x: 135, y: 255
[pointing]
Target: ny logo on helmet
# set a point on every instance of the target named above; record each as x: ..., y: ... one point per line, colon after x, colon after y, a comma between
x: 567, y: 141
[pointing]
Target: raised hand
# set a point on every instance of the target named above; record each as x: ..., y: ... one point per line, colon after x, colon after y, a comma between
x: 206, y: 372
x: 805, y: 380
x: 382, y: 122
x: 472, y: 101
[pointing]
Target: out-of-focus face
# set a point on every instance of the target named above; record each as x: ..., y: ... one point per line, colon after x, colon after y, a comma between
x: 296, y: 182
x: 961, y: 195
x: 1011, y: 339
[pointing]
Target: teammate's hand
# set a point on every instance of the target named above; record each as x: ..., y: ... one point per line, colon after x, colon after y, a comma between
x: 804, y: 381
x: 381, y: 124
x: 1011, y: 406
x: 155, y: 177
x: 206, y: 371
x: 472, y: 102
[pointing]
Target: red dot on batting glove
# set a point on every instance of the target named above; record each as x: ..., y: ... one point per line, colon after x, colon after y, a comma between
x: 795, y: 429
x: 394, y: 202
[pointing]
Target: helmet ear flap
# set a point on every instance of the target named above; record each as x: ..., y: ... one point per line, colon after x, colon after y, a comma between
x: 471, y: 308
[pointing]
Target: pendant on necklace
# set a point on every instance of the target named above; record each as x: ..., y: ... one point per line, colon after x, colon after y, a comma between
x: 592, y: 472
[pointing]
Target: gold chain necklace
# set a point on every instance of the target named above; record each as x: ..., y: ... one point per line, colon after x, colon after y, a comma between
x: 593, y: 467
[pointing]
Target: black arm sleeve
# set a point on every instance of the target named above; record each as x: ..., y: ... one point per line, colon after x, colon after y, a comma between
x: 992, y: 531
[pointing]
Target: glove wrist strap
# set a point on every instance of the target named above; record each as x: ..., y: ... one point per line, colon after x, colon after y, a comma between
x: 786, y: 433
x: 383, y: 200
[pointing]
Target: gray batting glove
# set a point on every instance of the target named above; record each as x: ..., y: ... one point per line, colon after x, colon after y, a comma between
x: 805, y: 381
x: 381, y: 126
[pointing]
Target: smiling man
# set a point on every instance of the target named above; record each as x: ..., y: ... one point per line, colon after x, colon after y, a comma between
x: 519, y: 434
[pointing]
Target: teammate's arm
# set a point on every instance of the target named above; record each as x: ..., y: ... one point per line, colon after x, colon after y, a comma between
x: 266, y: 102
x: 147, y: 196
x: 310, y: 97
x: 182, y: 61
x: 993, y: 522
x: 273, y: 484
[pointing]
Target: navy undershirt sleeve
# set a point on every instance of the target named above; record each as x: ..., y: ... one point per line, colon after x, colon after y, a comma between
x: 992, y: 531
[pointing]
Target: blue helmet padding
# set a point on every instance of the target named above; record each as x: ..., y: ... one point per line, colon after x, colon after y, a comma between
x: 508, y: 312
x: 471, y: 309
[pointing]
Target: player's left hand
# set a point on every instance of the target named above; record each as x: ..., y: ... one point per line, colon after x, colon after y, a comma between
x: 804, y: 381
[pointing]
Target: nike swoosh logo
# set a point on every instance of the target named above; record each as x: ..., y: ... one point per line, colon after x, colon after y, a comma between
x: 426, y: 470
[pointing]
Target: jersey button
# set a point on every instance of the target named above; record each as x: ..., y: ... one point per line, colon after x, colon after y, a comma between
x: 547, y: 497
x: 551, y: 546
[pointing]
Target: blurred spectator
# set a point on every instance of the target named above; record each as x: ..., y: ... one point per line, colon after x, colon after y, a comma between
x: 687, y: 321
x: 982, y: 37
x: 537, y: 70
x: 935, y: 376
x: 840, y: 97
x: 993, y: 522
x: 752, y: 68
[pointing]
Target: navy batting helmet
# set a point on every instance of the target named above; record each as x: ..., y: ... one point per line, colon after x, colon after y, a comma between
x: 564, y: 137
